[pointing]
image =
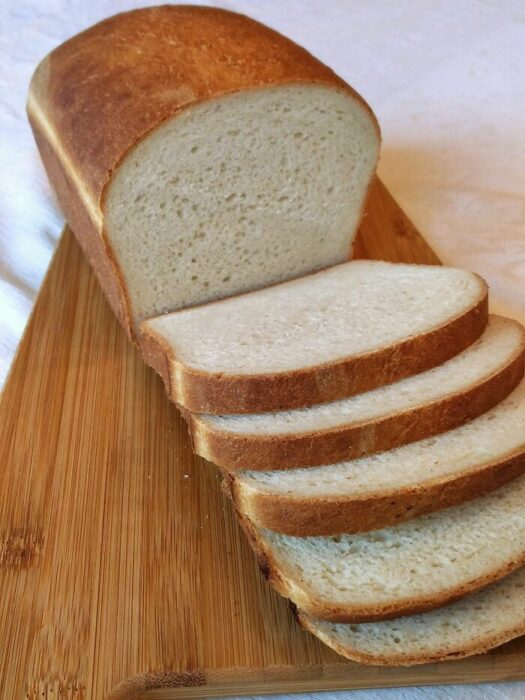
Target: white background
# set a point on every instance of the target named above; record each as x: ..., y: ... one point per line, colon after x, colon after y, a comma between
x: 447, y: 82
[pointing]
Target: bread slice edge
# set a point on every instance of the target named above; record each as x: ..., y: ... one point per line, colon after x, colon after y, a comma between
x: 283, y: 581
x: 444, y: 653
x: 301, y: 516
x: 215, y: 393
x: 341, y: 443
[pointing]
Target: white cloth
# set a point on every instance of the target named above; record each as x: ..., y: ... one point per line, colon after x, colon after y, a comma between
x: 447, y: 81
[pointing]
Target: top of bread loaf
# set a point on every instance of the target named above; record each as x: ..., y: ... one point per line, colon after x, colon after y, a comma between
x: 145, y: 65
x: 211, y: 154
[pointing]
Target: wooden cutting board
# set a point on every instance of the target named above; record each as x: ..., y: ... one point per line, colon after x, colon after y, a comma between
x: 122, y: 571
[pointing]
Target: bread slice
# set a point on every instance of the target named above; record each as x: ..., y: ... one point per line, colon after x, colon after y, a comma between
x: 325, y: 336
x: 469, y: 626
x: 411, y: 409
x: 390, y: 487
x: 198, y: 154
x: 401, y: 570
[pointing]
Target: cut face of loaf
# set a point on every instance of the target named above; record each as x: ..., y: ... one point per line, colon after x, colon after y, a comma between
x: 392, y: 486
x: 470, y: 626
x: 329, y: 335
x: 409, y: 568
x: 414, y: 408
x: 198, y: 154
x: 239, y: 193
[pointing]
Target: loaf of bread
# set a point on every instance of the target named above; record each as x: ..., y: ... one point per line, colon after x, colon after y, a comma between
x: 215, y: 175
x: 198, y: 154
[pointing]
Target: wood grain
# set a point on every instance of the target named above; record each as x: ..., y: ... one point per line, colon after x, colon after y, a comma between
x: 122, y: 571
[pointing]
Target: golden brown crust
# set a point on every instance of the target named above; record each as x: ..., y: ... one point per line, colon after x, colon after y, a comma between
x: 201, y: 392
x: 286, y: 584
x: 447, y: 653
x: 83, y: 226
x: 98, y: 94
x: 304, y: 517
x: 315, y: 448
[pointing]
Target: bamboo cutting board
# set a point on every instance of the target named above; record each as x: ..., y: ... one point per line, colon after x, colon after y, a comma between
x: 122, y: 571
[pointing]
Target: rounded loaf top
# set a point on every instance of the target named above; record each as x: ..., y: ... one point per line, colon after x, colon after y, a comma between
x: 105, y: 88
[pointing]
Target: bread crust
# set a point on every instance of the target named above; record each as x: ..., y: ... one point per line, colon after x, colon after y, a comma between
x: 284, y: 583
x: 317, y: 516
x: 344, y: 442
x: 96, y: 96
x: 220, y: 393
x: 446, y: 653
x: 85, y: 227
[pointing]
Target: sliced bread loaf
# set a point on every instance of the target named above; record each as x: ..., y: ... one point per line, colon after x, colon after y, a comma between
x: 325, y: 336
x: 411, y: 409
x: 469, y: 626
x: 393, y: 486
x: 408, y: 568
x: 197, y: 154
